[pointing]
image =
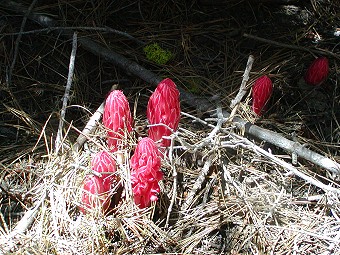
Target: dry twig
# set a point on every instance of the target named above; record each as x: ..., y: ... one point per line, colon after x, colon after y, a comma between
x: 174, y: 186
x: 242, y: 91
x: 59, y: 137
x: 198, y: 184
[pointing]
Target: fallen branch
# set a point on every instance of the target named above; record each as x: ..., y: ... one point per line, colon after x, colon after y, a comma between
x: 244, y: 142
x: 204, y: 104
x: 286, y: 144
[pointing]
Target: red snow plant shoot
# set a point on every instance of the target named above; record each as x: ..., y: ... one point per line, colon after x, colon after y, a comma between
x: 146, y: 172
x: 117, y: 117
x: 94, y: 195
x: 104, y: 164
x: 317, y: 72
x: 262, y: 90
x: 164, y: 108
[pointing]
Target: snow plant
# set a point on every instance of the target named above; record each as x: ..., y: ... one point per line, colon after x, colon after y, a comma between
x: 261, y: 93
x: 163, y: 112
x: 94, y: 195
x: 117, y: 118
x: 145, y: 172
x: 105, y: 166
x: 96, y: 188
x: 317, y: 72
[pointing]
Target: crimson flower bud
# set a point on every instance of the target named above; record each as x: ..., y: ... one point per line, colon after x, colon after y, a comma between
x: 262, y: 90
x: 117, y: 117
x: 164, y: 108
x: 94, y: 195
x: 104, y: 164
x: 146, y: 173
x: 317, y: 72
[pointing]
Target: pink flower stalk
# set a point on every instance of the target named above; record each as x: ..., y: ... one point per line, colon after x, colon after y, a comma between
x: 117, y: 117
x: 262, y: 90
x: 145, y: 173
x: 104, y: 164
x: 317, y: 72
x: 164, y: 108
x: 94, y: 195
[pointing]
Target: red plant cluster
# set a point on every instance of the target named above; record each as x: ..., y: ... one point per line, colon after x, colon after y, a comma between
x: 163, y: 112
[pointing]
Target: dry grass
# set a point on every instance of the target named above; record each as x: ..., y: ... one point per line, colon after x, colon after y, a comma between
x: 246, y: 203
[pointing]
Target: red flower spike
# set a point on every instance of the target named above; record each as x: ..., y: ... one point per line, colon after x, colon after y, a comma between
x: 145, y: 173
x: 262, y: 90
x: 104, y: 164
x: 94, y: 195
x: 117, y: 117
x: 164, y: 108
x: 317, y: 72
